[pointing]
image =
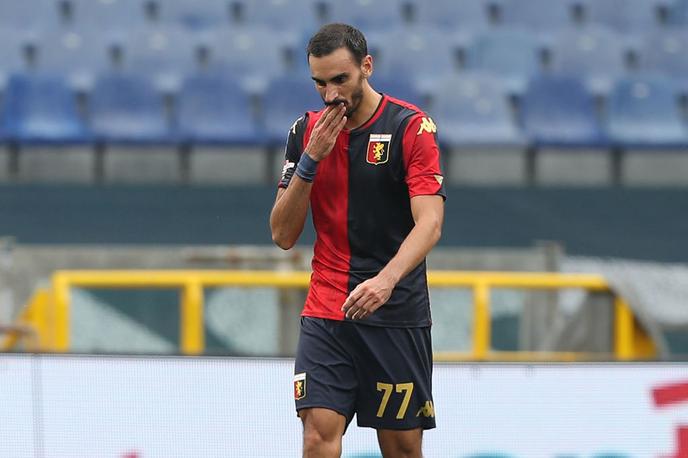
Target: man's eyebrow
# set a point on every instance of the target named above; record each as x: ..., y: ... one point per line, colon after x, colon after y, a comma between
x: 340, y: 76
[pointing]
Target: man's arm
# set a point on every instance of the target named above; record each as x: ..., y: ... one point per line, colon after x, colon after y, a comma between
x: 288, y: 215
x: 368, y: 296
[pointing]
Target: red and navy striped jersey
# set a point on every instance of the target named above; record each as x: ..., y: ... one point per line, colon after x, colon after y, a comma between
x: 361, y: 208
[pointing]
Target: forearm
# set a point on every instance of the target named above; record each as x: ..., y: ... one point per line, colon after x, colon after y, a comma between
x: 288, y: 215
x: 414, y: 249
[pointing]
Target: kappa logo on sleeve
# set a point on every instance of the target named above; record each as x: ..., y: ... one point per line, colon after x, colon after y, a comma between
x: 300, y: 386
x: 378, y: 148
x: 427, y: 125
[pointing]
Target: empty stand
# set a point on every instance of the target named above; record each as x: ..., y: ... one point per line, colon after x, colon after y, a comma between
x: 12, y: 54
x: 464, y: 16
x: 539, y: 16
x: 164, y: 54
x: 108, y: 16
x: 128, y: 109
x: 77, y: 55
x: 510, y: 54
x: 667, y: 53
x: 559, y: 111
x: 293, y: 17
x: 644, y: 112
x: 367, y: 15
x: 41, y: 109
x: 422, y: 56
x: 595, y: 54
x: 195, y: 15
x: 625, y: 16
x: 213, y: 109
x: 473, y: 110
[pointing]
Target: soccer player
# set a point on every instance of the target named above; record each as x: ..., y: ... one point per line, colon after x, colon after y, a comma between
x: 368, y: 166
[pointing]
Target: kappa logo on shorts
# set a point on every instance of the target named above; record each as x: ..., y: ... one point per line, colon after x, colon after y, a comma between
x: 428, y: 410
x: 378, y: 148
x: 300, y: 386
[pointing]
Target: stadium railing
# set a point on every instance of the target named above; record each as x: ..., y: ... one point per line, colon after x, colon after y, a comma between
x: 48, y: 312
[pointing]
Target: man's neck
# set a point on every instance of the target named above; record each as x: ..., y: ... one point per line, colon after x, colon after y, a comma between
x: 366, y: 109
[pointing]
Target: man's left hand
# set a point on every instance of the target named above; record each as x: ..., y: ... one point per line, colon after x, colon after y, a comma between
x: 368, y: 297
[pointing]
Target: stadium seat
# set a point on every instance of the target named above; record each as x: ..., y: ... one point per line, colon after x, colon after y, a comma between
x: 78, y: 55
x: 29, y: 17
x: 164, y: 54
x: 559, y: 111
x: 213, y: 109
x: 510, y: 54
x: 11, y: 55
x: 644, y: 112
x: 595, y: 54
x: 41, y: 109
x: 677, y: 13
x: 540, y: 16
x: 285, y: 100
x: 422, y: 56
x: 399, y: 88
x: 624, y: 16
x: 369, y: 16
x: 109, y: 16
x: 466, y: 16
x: 294, y: 17
x: 127, y: 109
x: 254, y: 55
x: 196, y: 15
x: 667, y: 53
x: 473, y: 110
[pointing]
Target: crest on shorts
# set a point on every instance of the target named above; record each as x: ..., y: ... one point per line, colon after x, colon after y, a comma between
x: 300, y: 386
x: 378, y: 148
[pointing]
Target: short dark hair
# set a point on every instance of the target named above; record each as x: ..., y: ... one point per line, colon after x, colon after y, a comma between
x: 331, y: 37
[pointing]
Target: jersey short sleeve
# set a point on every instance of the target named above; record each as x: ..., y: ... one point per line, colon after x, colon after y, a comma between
x: 293, y: 150
x: 422, y: 158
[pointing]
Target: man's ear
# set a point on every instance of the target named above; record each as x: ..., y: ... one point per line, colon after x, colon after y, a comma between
x: 367, y: 66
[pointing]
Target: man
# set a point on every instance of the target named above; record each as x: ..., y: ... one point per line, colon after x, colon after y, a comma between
x: 368, y: 166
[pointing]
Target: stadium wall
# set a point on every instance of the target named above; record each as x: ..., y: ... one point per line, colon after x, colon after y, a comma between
x: 85, y: 406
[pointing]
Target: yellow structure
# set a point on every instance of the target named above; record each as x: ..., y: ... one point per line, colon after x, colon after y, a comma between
x: 48, y: 313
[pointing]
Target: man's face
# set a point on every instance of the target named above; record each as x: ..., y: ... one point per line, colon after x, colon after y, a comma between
x: 339, y: 79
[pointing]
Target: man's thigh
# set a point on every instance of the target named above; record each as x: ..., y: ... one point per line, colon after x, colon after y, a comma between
x: 394, y: 367
x: 324, y: 375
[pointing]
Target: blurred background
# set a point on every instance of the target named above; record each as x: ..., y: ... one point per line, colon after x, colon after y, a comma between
x: 141, y: 144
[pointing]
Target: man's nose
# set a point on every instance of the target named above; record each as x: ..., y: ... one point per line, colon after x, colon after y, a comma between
x: 331, y: 94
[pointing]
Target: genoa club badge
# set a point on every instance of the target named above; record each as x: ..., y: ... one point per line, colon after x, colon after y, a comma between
x: 378, y: 148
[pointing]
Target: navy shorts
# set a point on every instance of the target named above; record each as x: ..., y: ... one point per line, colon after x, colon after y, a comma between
x: 381, y: 374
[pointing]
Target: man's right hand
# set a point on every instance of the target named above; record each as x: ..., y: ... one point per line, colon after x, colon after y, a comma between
x: 325, y: 132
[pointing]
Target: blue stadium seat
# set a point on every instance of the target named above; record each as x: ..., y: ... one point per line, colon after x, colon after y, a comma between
x: 254, y: 55
x: 195, y: 15
x: 28, y: 17
x: 110, y: 16
x: 399, y: 88
x: 41, y: 109
x: 367, y: 15
x: 422, y: 56
x: 213, y: 109
x: 510, y: 54
x: 127, y: 109
x: 285, y: 100
x: 644, y: 112
x: 296, y: 17
x: 595, y: 54
x: 78, y: 55
x: 559, y: 111
x: 678, y: 12
x: 470, y: 16
x: 625, y: 16
x: 473, y: 110
x: 540, y: 16
x: 164, y: 54
x: 11, y: 55
x: 667, y: 53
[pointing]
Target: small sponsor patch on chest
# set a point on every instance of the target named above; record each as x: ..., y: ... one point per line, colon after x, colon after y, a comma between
x: 378, y: 148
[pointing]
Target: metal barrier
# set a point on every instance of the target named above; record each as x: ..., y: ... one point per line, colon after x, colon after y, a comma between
x: 49, y: 311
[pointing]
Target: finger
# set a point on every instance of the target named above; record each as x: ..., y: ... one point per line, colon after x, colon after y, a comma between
x: 322, y: 118
x: 334, y: 115
x: 364, y: 306
x: 351, y: 300
x: 328, y: 115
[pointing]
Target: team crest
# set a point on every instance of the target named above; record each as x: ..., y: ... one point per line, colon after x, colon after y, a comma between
x: 378, y: 148
x: 300, y: 386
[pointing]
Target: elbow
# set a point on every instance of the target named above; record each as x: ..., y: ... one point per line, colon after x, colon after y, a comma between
x: 283, y: 242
